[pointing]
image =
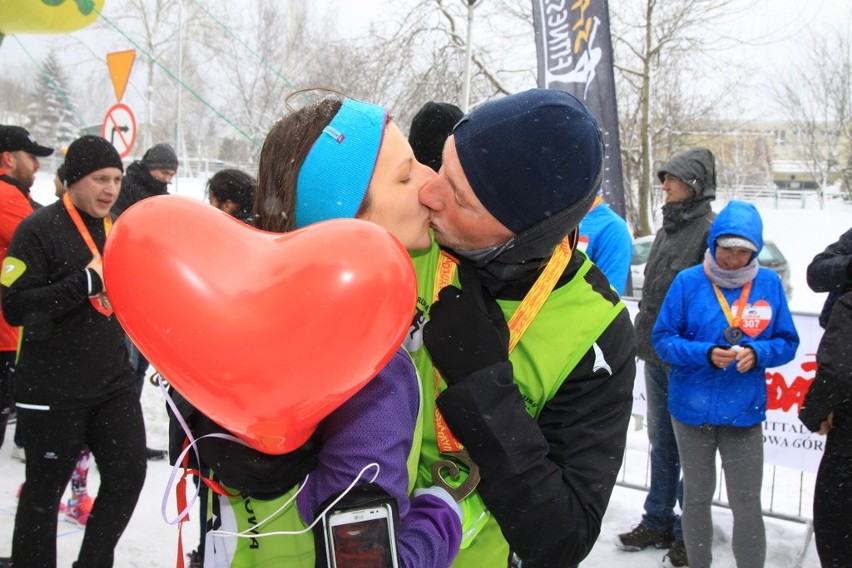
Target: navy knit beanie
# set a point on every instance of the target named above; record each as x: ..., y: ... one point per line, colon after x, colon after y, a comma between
x: 89, y: 154
x: 160, y: 157
x: 530, y: 155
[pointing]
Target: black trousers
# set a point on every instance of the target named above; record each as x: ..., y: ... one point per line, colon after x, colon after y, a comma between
x: 832, y: 504
x: 7, y: 401
x: 115, y: 433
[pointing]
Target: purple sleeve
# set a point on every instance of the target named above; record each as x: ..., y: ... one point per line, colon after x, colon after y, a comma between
x: 376, y: 425
x: 430, y: 534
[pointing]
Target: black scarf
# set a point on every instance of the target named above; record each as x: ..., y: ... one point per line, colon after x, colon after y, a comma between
x: 515, y: 266
x: 148, y: 183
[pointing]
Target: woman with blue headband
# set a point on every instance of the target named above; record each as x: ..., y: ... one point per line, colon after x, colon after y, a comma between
x: 335, y: 158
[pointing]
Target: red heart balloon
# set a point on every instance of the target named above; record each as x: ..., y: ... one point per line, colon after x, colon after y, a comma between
x: 266, y: 333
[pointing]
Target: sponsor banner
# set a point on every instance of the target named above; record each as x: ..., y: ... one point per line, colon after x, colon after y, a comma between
x: 786, y: 441
x: 575, y: 55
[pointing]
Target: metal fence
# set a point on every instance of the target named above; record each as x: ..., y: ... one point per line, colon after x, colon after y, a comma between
x: 778, y: 196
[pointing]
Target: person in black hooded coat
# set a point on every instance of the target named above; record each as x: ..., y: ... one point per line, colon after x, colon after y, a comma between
x: 828, y: 410
x: 831, y: 271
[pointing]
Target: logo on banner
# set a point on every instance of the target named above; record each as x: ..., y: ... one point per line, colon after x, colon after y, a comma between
x: 567, y: 60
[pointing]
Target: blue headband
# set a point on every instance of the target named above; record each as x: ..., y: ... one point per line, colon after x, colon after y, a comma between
x: 335, y: 175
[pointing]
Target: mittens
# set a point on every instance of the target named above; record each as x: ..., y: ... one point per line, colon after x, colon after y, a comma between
x: 466, y: 331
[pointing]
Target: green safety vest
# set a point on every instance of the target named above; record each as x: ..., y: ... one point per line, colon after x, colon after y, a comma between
x: 541, y: 360
x: 238, y: 514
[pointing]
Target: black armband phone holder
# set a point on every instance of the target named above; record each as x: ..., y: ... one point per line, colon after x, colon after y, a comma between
x: 375, y: 545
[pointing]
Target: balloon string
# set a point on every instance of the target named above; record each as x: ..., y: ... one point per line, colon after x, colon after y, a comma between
x: 176, y: 468
x: 247, y: 533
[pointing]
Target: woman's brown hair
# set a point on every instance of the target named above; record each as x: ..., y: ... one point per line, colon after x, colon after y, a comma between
x: 284, y: 150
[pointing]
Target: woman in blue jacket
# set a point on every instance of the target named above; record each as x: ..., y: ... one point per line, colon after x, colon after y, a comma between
x: 721, y: 325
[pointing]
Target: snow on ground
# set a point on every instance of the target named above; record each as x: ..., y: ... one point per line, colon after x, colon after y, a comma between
x: 150, y: 541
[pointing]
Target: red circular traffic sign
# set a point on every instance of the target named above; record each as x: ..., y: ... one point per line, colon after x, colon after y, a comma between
x: 119, y: 127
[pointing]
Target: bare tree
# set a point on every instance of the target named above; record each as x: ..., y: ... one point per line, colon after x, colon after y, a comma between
x: 659, y: 47
x: 424, y: 56
x: 817, y: 100
x: 256, y: 58
x: 16, y: 98
x: 154, y: 27
x: 742, y: 160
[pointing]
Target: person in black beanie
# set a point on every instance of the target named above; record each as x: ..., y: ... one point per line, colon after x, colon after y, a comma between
x: 145, y: 178
x: 73, y: 382
x: 430, y: 128
x: 535, y: 351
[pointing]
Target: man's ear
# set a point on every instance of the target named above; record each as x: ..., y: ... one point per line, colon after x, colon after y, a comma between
x: 7, y: 160
x: 229, y: 206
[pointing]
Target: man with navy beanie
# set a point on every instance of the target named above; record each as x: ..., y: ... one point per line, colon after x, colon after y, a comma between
x: 531, y: 350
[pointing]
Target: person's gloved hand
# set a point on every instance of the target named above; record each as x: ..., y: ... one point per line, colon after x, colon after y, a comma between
x: 466, y: 330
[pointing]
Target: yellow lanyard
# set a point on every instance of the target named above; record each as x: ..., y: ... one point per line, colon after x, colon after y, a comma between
x: 733, y: 320
x: 518, y: 324
x: 97, y: 301
x: 598, y: 200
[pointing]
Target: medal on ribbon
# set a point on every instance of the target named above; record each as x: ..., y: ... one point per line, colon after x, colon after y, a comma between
x: 100, y: 302
x: 453, y: 451
x: 733, y: 334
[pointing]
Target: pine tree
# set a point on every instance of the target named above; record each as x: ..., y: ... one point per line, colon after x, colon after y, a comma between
x: 53, y: 121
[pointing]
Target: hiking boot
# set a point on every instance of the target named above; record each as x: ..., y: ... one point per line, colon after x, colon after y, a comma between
x: 641, y: 537
x: 196, y: 560
x: 77, y: 511
x: 676, y: 556
x: 19, y: 454
x: 153, y: 454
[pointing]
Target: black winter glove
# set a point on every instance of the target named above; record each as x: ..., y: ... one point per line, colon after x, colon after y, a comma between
x: 466, y: 330
x: 253, y: 473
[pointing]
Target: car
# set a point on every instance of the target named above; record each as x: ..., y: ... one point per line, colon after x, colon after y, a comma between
x: 641, y: 250
x: 770, y: 257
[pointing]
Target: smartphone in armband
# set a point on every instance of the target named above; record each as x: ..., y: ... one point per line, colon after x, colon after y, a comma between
x: 361, y: 537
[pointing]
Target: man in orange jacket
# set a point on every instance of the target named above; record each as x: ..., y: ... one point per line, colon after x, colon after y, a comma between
x: 19, y: 154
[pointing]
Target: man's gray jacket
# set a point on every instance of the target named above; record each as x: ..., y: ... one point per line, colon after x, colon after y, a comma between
x: 680, y: 243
